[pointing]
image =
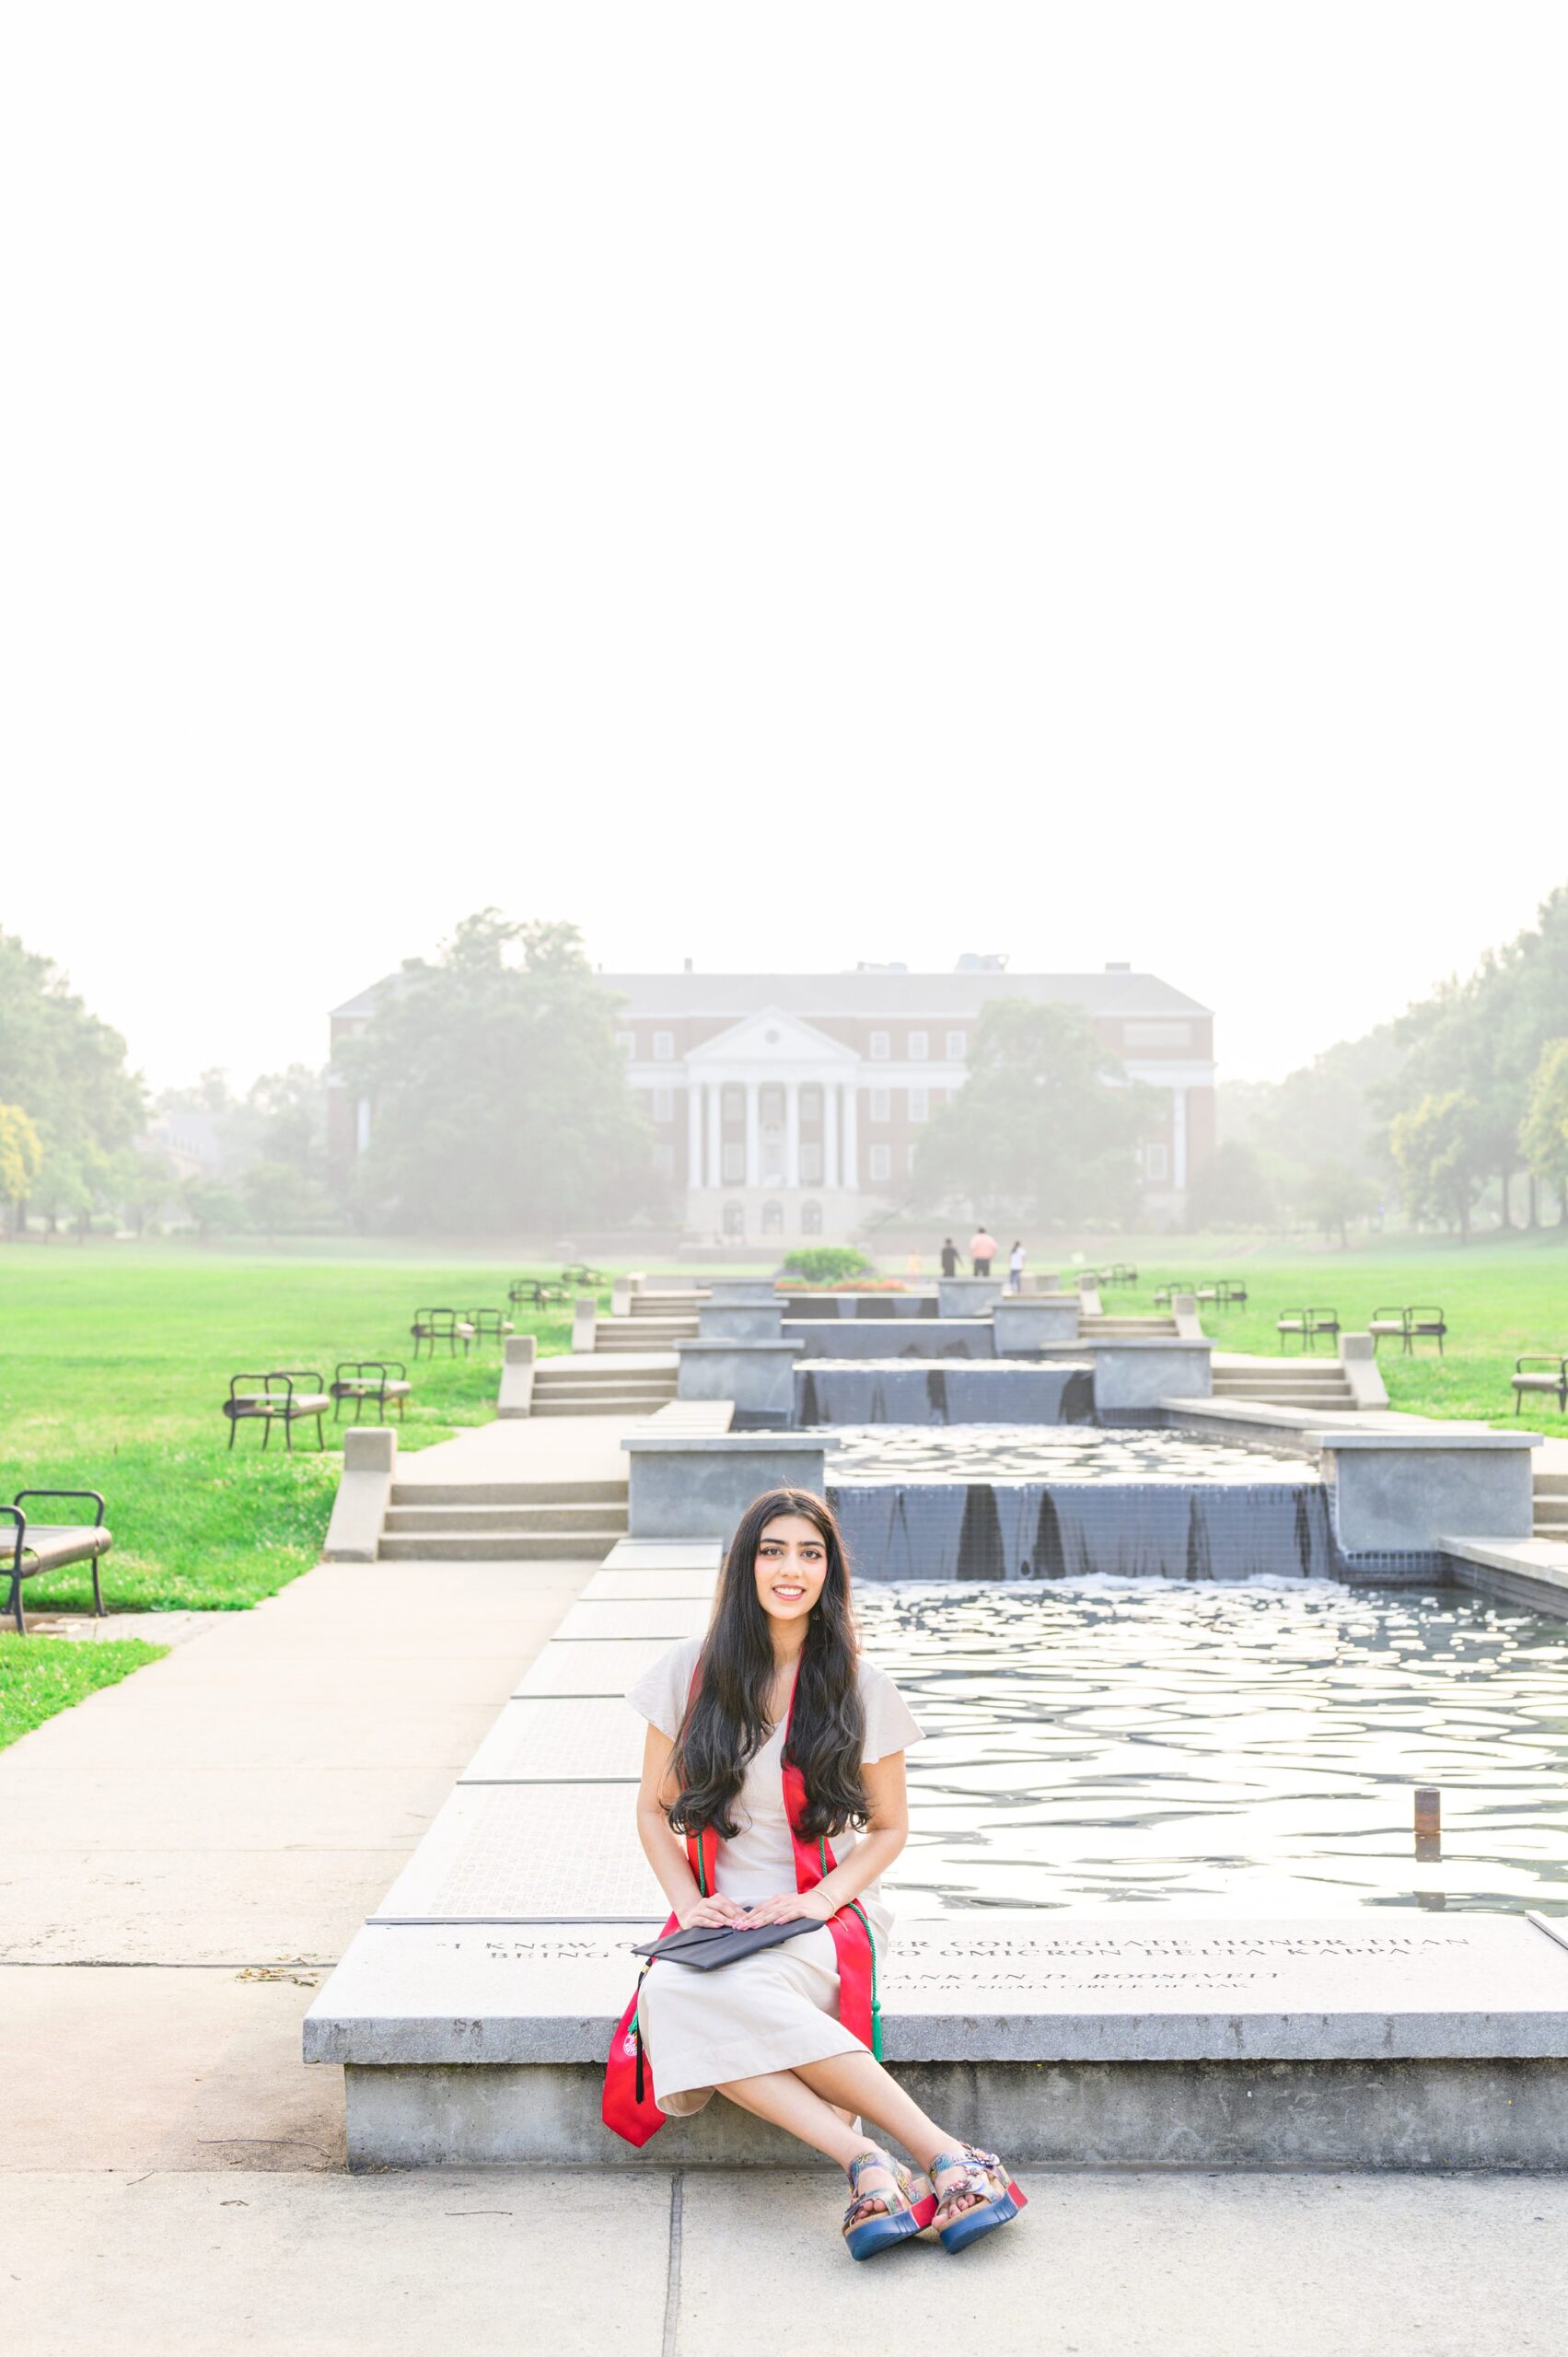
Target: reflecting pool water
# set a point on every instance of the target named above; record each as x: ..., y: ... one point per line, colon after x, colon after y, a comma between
x: 1050, y: 1452
x: 1247, y: 1748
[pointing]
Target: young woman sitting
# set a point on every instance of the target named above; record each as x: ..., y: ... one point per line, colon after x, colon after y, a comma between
x: 773, y: 1792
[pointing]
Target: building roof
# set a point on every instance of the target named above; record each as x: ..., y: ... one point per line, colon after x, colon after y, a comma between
x: 937, y: 995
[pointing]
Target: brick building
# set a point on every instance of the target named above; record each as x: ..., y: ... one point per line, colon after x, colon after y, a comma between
x: 791, y: 1105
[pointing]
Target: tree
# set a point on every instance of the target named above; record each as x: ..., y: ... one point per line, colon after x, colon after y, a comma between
x: 1438, y: 1146
x: 216, y: 1209
x: 1543, y: 1136
x: 1231, y: 1190
x: 498, y: 1095
x: 140, y: 1183
x: 1334, y: 1194
x: 21, y: 1157
x: 59, y: 1060
x: 1045, y: 1126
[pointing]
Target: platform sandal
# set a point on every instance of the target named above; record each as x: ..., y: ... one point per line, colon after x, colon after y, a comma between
x: 876, y: 2220
x: 984, y: 2197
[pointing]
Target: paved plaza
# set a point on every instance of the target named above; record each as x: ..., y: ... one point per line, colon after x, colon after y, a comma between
x: 189, y: 1853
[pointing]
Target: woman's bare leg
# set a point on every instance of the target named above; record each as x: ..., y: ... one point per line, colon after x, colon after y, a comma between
x: 784, y: 2097
x: 858, y: 2081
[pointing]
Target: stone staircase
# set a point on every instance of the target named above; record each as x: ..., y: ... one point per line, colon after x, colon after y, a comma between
x: 1286, y: 1383
x: 1550, y: 1518
x: 590, y: 1384
x: 656, y: 1322
x: 503, y: 1521
x: 1104, y: 1328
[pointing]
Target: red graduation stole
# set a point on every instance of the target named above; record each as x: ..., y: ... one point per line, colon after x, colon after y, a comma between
x: 629, y: 2105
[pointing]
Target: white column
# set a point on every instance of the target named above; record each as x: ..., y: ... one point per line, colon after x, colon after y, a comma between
x: 716, y: 1135
x: 753, y: 1134
x: 830, y: 1133
x: 693, y: 1133
x: 1178, y: 1137
x: 792, y: 1133
x: 852, y: 1139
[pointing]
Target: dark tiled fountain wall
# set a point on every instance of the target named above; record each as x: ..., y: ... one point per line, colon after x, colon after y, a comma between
x: 893, y: 1337
x: 997, y: 1391
x: 1018, y: 1530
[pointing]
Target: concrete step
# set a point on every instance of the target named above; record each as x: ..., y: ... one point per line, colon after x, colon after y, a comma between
x: 455, y: 1519
x: 509, y: 1494
x: 1552, y: 1485
x: 606, y: 1378
x: 630, y: 1407
x: 1272, y: 1385
x: 497, y: 1546
x: 1327, y: 1378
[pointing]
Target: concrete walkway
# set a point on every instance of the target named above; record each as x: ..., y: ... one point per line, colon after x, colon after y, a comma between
x: 184, y: 1854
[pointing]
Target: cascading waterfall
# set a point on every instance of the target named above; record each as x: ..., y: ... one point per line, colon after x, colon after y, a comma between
x: 1021, y: 1530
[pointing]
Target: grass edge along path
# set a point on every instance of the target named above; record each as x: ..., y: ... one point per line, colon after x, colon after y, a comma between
x: 41, y: 1676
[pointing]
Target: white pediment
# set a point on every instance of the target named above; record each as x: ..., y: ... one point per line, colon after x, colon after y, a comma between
x: 772, y: 1038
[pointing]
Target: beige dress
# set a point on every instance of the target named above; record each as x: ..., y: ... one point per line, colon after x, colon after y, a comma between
x: 780, y: 2007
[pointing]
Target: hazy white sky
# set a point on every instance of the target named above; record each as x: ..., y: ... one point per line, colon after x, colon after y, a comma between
x: 781, y: 486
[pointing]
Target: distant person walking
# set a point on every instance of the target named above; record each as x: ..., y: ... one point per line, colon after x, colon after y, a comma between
x: 949, y: 1256
x: 1015, y: 1269
x: 983, y: 1248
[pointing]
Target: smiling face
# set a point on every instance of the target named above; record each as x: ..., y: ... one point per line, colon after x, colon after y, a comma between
x: 791, y: 1563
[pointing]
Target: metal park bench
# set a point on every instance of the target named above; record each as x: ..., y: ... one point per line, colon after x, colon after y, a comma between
x: 490, y: 1325
x: 52, y: 1546
x: 1308, y: 1324
x: 1121, y: 1274
x: 279, y: 1402
x: 377, y: 1379
x: 1230, y: 1293
x: 581, y: 1274
x: 1414, y: 1322
x: 1529, y: 1374
x: 535, y: 1292
x: 433, y: 1326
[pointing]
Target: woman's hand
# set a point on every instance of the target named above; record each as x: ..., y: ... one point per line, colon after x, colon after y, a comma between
x: 707, y: 1914
x: 809, y: 1905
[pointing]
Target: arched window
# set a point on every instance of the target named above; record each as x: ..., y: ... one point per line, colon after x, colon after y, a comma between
x: 734, y: 1219
x: 773, y: 1219
x: 811, y: 1219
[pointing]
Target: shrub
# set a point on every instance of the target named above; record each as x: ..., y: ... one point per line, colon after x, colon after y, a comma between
x: 824, y: 1264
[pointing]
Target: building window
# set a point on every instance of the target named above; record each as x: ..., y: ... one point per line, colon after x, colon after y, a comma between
x: 879, y: 1164
x: 811, y: 1219
x: 627, y: 1043
x: 663, y: 1161
x: 664, y: 1047
x: 919, y: 1047
x: 735, y: 1166
x: 773, y: 1219
x: 881, y: 1104
x: 770, y: 1106
x: 810, y: 1101
x: 913, y: 1158
x: 732, y: 1110
x: 920, y: 1104
x: 664, y: 1104
x: 810, y: 1166
x: 1157, y: 1035
x: 881, y: 1047
x: 1156, y: 1165
x: 957, y: 1045
x: 734, y: 1219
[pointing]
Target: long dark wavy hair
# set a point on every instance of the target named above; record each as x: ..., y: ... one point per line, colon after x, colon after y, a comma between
x: 727, y: 1720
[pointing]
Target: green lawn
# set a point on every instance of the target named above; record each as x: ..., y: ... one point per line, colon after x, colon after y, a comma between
x: 116, y: 1360
x: 1499, y: 1299
x: 41, y: 1674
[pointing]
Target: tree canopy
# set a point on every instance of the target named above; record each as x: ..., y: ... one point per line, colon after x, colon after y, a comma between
x: 498, y: 1095
x: 65, y: 1070
x: 1044, y: 1128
